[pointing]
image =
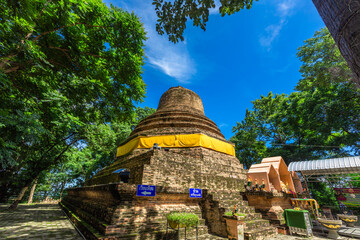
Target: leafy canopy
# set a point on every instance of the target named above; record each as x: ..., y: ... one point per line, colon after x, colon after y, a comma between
x: 172, y: 16
x: 65, y: 66
x: 80, y: 164
x: 320, y: 120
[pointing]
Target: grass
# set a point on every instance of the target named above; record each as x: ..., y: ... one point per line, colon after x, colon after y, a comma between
x: 229, y: 213
x: 187, y: 219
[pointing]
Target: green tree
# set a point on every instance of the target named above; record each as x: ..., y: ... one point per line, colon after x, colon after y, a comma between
x: 81, y: 163
x: 64, y: 65
x: 172, y: 16
x: 320, y: 120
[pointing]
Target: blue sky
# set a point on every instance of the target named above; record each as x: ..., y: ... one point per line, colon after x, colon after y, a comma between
x: 235, y: 61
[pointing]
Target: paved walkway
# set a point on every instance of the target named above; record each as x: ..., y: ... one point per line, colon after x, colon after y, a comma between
x: 316, y: 237
x: 38, y: 221
x: 47, y: 221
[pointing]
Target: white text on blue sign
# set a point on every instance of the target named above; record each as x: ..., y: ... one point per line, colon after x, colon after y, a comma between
x: 145, y: 191
x: 195, y: 193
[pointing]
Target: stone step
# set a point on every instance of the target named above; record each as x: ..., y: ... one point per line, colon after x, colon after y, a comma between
x: 191, y: 232
x: 130, y: 213
x: 207, y: 237
x: 257, y: 223
x: 233, y: 202
x: 163, y: 235
x: 171, y: 116
x: 230, y: 207
x: 253, y: 216
x: 121, y: 229
x: 260, y: 233
x: 247, y: 210
x: 225, y: 194
x: 154, y: 126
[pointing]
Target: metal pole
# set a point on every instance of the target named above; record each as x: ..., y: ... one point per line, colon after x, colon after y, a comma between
x: 306, y: 185
x: 167, y: 225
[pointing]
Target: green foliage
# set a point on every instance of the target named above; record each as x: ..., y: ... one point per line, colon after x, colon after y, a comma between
x: 172, y: 16
x: 67, y: 68
x: 323, y: 65
x: 230, y: 213
x: 320, y: 120
x: 356, y: 180
x: 186, y: 219
x: 323, y: 194
x: 81, y: 164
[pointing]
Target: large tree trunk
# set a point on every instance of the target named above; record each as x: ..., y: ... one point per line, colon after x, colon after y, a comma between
x: 20, y: 196
x: 62, y: 189
x: 342, y: 18
x: 32, y: 190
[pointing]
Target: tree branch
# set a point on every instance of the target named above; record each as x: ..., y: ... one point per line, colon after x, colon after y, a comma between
x: 40, y: 13
x: 94, y: 55
x: 5, y: 60
x: 53, y: 145
x: 58, y: 28
x: 10, y: 70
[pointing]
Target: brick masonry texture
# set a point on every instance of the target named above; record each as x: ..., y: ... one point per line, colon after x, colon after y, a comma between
x: 108, y: 209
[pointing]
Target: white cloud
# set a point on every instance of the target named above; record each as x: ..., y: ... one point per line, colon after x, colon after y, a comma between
x: 283, y: 10
x: 223, y: 125
x: 216, y: 9
x: 175, y: 65
x: 172, y: 59
x: 272, y: 31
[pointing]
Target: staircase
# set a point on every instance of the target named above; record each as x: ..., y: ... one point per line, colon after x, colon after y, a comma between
x: 216, y: 203
x: 130, y: 222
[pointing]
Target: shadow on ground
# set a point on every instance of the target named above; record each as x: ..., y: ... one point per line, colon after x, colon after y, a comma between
x: 36, y: 221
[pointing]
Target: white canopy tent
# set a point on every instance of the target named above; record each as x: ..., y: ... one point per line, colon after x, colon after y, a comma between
x: 344, y: 165
x: 327, y: 169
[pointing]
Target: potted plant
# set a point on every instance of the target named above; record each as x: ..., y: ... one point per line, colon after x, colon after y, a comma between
x: 182, y: 219
x: 236, y: 216
x: 235, y: 224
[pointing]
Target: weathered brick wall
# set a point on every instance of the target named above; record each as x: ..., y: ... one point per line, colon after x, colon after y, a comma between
x: 180, y: 168
x: 265, y: 200
x: 194, y: 167
x: 114, y: 209
x: 133, y: 162
x: 183, y: 168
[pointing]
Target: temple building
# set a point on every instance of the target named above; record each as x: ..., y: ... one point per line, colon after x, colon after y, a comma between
x: 274, y: 174
x: 174, y: 149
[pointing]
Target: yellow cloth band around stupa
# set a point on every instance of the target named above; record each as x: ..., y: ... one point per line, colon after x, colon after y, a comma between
x: 183, y: 140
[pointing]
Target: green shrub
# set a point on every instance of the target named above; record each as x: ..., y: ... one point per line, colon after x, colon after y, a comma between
x: 187, y: 219
x: 229, y: 213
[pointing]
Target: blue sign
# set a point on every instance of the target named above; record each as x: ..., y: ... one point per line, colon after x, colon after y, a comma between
x: 145, y: 191
x: 195, y: 193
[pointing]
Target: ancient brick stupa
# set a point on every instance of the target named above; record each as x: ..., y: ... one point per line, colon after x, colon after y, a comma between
x: 174, y: 149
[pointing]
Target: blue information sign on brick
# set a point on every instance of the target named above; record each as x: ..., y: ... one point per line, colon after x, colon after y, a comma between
x: 195, y: 193
x: 145, y: 191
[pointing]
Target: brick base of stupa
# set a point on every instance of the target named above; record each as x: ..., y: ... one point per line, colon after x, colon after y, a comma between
x: 113, y: 211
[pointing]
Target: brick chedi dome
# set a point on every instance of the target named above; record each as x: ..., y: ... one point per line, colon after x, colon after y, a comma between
x: 180, y: 111
x: 170, y: 152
